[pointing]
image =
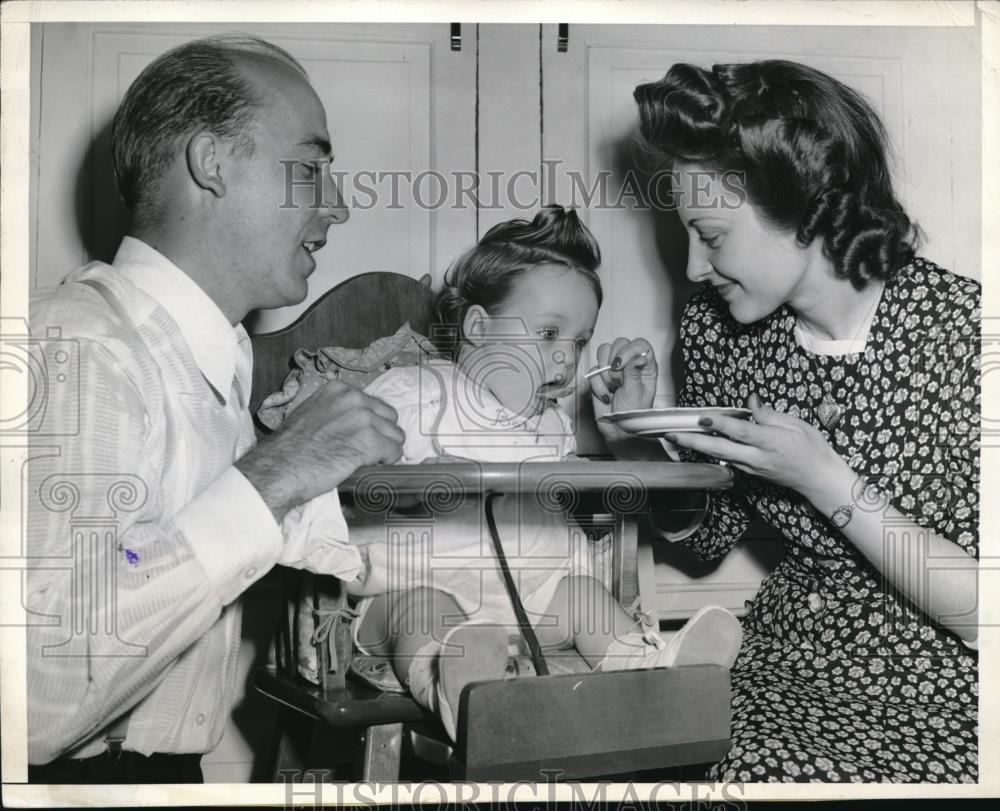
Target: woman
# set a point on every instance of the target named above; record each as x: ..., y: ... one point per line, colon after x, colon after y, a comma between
x: 859, y: 363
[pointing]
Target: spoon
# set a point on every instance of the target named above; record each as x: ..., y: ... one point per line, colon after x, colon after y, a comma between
x: 607, y: 368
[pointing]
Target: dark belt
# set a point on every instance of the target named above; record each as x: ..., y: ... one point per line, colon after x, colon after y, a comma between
x: 117, y: 765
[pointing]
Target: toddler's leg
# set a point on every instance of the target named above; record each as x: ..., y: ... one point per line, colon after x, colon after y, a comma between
x: 401, y: 624
x: 585, y: 615
x: 605, y: 635
x: 433, y: 648
x: 469, y: 653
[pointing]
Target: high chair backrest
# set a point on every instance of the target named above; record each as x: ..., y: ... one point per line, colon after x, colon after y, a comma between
x: 352, y: 314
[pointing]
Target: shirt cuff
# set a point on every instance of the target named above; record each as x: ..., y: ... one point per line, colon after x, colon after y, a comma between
x: 232, y: 533
x: 316, y: 539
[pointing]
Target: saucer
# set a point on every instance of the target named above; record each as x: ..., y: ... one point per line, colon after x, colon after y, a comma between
x: 659, y: 421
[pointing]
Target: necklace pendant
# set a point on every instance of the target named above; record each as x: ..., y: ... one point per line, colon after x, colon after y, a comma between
x: 829, y: 413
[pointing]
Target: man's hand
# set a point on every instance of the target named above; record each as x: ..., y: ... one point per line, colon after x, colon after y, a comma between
x: 334, y: 432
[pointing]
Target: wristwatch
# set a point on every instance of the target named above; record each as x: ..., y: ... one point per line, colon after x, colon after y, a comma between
x: 841, y: 516
x: 868, y: 492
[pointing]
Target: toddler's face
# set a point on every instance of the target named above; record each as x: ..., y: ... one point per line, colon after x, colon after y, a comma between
x: 526, y: 354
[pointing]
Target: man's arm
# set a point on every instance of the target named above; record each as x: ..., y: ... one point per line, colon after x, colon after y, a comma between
x: 334, y: 432
x: 168, y: 570
x: 118, y: 587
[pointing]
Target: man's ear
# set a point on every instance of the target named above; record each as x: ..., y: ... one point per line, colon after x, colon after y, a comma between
x: 474, y: 325
x: 204, y: 153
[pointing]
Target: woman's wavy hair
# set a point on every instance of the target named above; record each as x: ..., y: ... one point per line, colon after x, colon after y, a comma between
x: 811, y: 152
x: 486, y: 274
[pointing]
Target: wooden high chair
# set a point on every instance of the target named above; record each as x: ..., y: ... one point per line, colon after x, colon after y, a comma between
x: 576, y: 724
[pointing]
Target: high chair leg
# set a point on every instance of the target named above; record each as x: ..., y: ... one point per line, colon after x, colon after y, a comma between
x: 294, y: 734
x: 383, y: 750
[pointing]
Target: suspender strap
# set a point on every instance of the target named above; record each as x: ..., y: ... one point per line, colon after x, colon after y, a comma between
x: 116, y: 305
x: 541, y: 668
x: 116, y: 732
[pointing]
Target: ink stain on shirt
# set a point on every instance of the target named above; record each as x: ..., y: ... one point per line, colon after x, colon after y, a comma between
x: 132, y: 557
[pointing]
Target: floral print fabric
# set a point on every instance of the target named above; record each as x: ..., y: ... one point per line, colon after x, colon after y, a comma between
x: 840, y: 677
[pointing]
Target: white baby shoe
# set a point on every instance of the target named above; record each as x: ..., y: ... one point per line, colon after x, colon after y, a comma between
x: 711, y: 637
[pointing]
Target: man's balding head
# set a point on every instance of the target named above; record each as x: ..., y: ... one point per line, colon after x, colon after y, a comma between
x: 204, y: 85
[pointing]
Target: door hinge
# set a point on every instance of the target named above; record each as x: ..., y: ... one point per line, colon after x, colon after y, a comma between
x: 562, y: 39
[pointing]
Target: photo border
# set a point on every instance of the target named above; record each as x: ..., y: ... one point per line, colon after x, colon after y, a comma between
x: 15, y: 61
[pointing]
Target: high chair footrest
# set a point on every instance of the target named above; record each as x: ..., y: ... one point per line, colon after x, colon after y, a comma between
x: 585, y: 725
x: 354, y: 705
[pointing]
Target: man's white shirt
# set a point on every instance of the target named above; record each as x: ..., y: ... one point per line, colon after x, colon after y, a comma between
x: 162, y: 533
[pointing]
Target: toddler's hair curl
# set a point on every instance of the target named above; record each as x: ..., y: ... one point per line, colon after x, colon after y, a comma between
x: 811, y: 153
x: 486, y: 274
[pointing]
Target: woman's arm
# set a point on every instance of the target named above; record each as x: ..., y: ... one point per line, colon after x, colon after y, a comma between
x: 934, y: 573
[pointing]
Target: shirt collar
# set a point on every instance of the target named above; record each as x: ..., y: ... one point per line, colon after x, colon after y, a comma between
x: 213, y: 341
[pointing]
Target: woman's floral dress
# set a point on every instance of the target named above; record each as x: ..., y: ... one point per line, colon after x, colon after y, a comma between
x: 840, y: 678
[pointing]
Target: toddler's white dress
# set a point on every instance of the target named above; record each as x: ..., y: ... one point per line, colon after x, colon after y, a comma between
x: 444, y: 413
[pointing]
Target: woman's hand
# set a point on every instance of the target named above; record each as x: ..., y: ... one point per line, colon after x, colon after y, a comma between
x: 777, y: 447
x: 630, y: 384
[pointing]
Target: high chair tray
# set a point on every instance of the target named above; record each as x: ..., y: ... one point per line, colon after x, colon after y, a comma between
x: 467, y: 477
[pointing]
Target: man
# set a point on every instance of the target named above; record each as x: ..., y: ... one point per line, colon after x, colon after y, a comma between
x: 158, y: 500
